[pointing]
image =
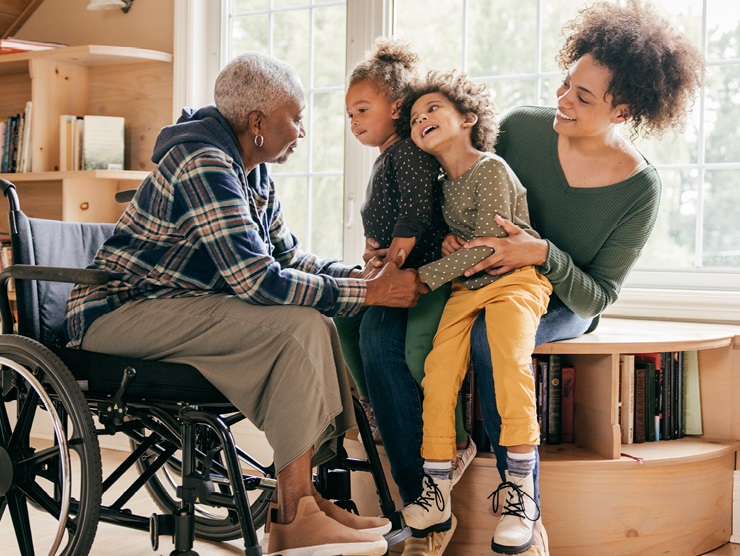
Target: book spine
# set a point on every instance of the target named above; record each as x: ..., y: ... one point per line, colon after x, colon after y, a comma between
x: 543, y: 381
x: 627, y: 366
x: 569, y: 404
x: 554, y: 401
x: 640, y: 404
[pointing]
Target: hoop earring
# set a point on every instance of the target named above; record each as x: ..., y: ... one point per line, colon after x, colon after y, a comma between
x: 259, y: 141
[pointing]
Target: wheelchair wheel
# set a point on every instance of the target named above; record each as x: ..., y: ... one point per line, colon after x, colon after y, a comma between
x: 50, y: 474
x: 211, y: 523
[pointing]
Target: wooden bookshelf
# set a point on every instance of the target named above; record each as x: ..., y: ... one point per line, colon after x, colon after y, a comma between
x: 101, y: 80
x: 668, y: 497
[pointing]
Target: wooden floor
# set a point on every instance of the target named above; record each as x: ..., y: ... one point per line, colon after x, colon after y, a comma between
x: 111, y: 540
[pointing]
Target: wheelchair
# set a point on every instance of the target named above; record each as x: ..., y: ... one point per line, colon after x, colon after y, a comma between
x: 178, y: 426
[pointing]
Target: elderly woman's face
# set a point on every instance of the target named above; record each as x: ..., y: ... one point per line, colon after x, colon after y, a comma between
x: 282, y: 129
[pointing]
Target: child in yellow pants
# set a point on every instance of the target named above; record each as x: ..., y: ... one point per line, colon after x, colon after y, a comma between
x: 453, y: 119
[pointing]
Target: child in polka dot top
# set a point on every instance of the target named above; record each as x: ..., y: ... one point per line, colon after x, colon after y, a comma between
x: 453, y: 119
x: 402, y: 206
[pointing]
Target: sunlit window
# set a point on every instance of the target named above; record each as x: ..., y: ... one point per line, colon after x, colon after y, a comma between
x: 512, y: 47
x: 310, y: 35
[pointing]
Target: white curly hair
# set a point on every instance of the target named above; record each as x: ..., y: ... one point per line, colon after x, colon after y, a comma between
x: 254, y: 82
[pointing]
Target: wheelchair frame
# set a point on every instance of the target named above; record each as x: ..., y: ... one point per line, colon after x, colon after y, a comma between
x: 181, y: 443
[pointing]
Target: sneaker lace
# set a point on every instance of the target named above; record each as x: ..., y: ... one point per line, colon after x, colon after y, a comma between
x: 431, y: 493
x: 514, y: 501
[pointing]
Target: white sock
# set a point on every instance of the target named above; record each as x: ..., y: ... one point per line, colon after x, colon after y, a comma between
x: 438, y: 469
x: 520, y: 465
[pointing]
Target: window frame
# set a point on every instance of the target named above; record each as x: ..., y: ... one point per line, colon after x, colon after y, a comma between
x: 693, y: 295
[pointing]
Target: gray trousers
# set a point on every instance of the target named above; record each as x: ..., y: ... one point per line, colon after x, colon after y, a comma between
x: 281, y: 366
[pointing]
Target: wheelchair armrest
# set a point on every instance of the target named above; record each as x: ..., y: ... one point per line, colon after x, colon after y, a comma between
x: 43, y: 274
x: 54, y: 274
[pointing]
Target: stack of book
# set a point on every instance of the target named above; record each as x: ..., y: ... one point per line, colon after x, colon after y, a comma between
x: 555, y: 389
x: 659, y: 396
x: 15, y: 141
x: 91, y: 142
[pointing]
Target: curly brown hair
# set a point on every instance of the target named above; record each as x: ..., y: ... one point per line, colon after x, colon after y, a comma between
x: 466, y: 95
x: 655, y: 71
x: 391, y: 65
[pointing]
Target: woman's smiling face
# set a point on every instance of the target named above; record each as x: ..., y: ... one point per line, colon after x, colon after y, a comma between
x: 584, y: 106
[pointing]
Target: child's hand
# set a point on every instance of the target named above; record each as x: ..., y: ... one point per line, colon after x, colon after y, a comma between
x: 372, y: 250
x: 451, y: 243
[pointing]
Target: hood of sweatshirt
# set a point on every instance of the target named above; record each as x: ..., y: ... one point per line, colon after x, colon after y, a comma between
x: 204, y: 125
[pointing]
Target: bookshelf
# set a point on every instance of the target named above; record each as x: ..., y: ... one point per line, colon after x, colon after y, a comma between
x: 678, y: 500
x: 100, y: 80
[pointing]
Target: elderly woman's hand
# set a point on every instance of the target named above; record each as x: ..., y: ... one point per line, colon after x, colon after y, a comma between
x: 393, y: 287
x: 517, y: 250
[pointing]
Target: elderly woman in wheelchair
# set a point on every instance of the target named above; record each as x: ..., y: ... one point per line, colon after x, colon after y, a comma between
x: 201, y: 272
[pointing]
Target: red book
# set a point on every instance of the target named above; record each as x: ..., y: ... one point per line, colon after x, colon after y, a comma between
x: 569, y: 403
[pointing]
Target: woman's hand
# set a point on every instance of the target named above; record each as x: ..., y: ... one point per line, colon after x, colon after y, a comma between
x: 517, y: 250
x: 451, y: 243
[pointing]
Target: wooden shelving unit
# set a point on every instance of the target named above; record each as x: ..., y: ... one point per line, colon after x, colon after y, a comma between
x: 669, y: 497
x: 101, y: 80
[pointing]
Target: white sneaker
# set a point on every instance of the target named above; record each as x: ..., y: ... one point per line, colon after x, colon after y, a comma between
x: 432, y: 511
x: 434, y: 544
x: 514, y: 532
x: 463, y: 459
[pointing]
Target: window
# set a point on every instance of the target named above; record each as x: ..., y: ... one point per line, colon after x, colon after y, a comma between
x: 310, y: 35
x: 512, y: 47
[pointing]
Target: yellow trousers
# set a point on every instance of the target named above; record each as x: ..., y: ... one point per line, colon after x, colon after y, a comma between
x: 513, y: 306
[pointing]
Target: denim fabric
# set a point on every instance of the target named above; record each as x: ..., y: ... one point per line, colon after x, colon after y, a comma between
x: 395, y: 396
x: 559, y: 323
x: 397, y: 399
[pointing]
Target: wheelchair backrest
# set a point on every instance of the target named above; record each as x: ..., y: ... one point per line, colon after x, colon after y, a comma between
x: 41, y: 305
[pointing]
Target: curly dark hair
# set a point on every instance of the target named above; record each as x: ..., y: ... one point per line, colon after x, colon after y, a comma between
x: 655, y: 70
x: 391, y: 65
x: 466, y: 95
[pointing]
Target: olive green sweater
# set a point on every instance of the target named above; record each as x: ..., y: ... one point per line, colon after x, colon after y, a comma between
x: 595, y: 235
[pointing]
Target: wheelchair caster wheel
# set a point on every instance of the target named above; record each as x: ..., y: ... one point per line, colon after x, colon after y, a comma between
x: 154, y: 532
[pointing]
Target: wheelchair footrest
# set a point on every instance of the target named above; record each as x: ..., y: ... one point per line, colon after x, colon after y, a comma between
x: 399, y: 530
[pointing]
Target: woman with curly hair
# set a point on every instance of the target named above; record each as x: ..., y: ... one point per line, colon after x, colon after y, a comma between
x: 593, y: 199
x: 453, y: 119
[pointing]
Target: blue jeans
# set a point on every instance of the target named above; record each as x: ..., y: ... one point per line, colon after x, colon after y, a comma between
x: 397, y: 399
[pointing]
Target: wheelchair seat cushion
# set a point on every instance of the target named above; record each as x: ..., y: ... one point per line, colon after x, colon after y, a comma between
x: 101, y: 374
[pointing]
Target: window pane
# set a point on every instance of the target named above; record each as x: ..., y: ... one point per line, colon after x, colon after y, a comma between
x: 673, y: 147
x: 548, y: 90
x: 501, y: 37
x: 723, y: 30
x: 290, y: 40
x: 555, y: 14
x: 249, y: 5
x: 278, y: 4
x: 723, y: 115
x: 250, y: 33
x: 327, y: 141
x: 330, y: 31
x: 293, y: 195
x: 673, y: 241
x: 721, y: 223
x: 435, y: 30
x: 510, y: 93
x: 327, y: 215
